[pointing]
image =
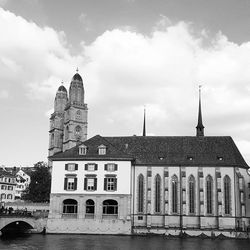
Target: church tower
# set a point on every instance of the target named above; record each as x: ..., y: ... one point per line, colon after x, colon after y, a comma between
x: 75, y: 115
x: 57, y: 121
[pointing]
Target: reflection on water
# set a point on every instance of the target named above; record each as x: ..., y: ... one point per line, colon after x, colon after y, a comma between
x: 102, y: 242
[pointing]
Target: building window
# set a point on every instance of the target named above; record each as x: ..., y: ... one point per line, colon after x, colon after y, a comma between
x: 157, y: 193
x: 110, y: 183
x: 140, y: 193
x: 174, y: 194
x: 78, y: 131
x: 110, y: 167
x: 191, y: 191
x: 91, y: 167
x: 71, y: 167
x: 227, y: 190
x: 110, y: 207
x: 3, y: 187
x: 67, y: 133
x: 102, y: 150
x: 90, y: 183
x: 209, y: 192
x: 70, y: 183
x: 3, y: 196
x: 10, y: 188
x: 90, y: 207
x: 82, y: 150
x: 70, y: 206
x: 78, y: 115
x: 9, y: 196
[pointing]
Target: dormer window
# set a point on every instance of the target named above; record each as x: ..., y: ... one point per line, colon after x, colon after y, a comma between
x: 220, y: 158
x: 82, y: 150
x: 102, y: 150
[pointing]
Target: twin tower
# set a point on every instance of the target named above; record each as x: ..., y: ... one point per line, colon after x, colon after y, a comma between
x: 68, y: 123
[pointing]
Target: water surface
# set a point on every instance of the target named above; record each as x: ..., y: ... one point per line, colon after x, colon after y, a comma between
x: 102, y: 242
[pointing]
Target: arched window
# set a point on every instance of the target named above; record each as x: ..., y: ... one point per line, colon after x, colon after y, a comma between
x: 110, y: 207
x: 70, y: 206
x: 140, y: 193
x: 3, y: 196
x: 227, y: 190
x: 78, y: 115
x: 174, y: 194
x: 157, y: 193
x: 90, y: 207
x: 67, y: 133
x: 191, y: 192
x: 78, y: 131
x: 209, y: 194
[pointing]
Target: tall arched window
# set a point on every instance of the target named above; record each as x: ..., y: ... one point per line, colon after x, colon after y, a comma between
x: 90, y: 207
x: 67, y: 133
x: 157, y: 193
x: 227, y: 190
x: 174, y: 194
x: 140, y: 193
x: 78, y: 131
x: 209, y: 194
x: 191, y: 192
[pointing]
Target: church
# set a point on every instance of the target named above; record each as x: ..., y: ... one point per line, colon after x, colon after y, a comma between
x: 168, y: 185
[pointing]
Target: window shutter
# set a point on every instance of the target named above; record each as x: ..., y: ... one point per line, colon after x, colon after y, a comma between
x: 106, y: 167
x: 105, y: 183
x: 75, y: 183
x: 96, y: 166
x: 66, y: 166
x: 76, y: 166
x: 115, y: 167
x: 86, y: 166
x: 85, y: 183
x: 95, y: 183
x: 65, y: 183
x: 115, y: 184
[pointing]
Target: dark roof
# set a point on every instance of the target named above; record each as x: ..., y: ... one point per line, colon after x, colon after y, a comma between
x: 92, y: 151
x: 163, y: 150
x: 77, y: 77
x: 62, y: 88
x: 4, y: 173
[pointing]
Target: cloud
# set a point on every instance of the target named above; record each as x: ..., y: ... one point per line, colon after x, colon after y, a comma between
x: 123, y: 70
x: 35, y: 57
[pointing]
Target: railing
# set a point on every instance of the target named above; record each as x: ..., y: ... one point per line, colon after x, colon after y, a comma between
x: 69, y: 215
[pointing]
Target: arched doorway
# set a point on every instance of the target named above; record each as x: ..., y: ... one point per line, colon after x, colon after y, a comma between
x: 70, y: 208
x: 110, y: 208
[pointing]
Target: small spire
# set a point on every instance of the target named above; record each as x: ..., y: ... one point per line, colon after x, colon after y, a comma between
x: 77, y: 70
x: 62, y: 82
x: 144, y: 123
x: 199, y: 127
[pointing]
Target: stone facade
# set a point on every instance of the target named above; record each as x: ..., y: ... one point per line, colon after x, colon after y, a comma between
x: 68, y: 123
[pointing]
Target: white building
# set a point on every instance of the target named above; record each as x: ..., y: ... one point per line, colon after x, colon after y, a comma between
x: 7, y: 187
x: 151, y: 184
x: 22, y: 182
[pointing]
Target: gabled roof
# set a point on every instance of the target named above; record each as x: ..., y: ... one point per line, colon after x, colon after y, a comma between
x: 162, y: 150
x: 112, y: 153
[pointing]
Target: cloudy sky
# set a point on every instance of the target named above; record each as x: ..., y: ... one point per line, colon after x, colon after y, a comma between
x: 130, y: 53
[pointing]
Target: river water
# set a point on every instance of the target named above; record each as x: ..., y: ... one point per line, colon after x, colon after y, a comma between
x: 102, y: 242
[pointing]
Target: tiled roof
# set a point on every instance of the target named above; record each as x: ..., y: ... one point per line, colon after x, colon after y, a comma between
x: 4, y: 173
x: 163, y: 150
x: 92, y: 151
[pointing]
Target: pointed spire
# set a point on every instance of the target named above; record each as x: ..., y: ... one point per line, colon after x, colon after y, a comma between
x: 199, y: 127
x: 144, y: 123
x: 77, y: 70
